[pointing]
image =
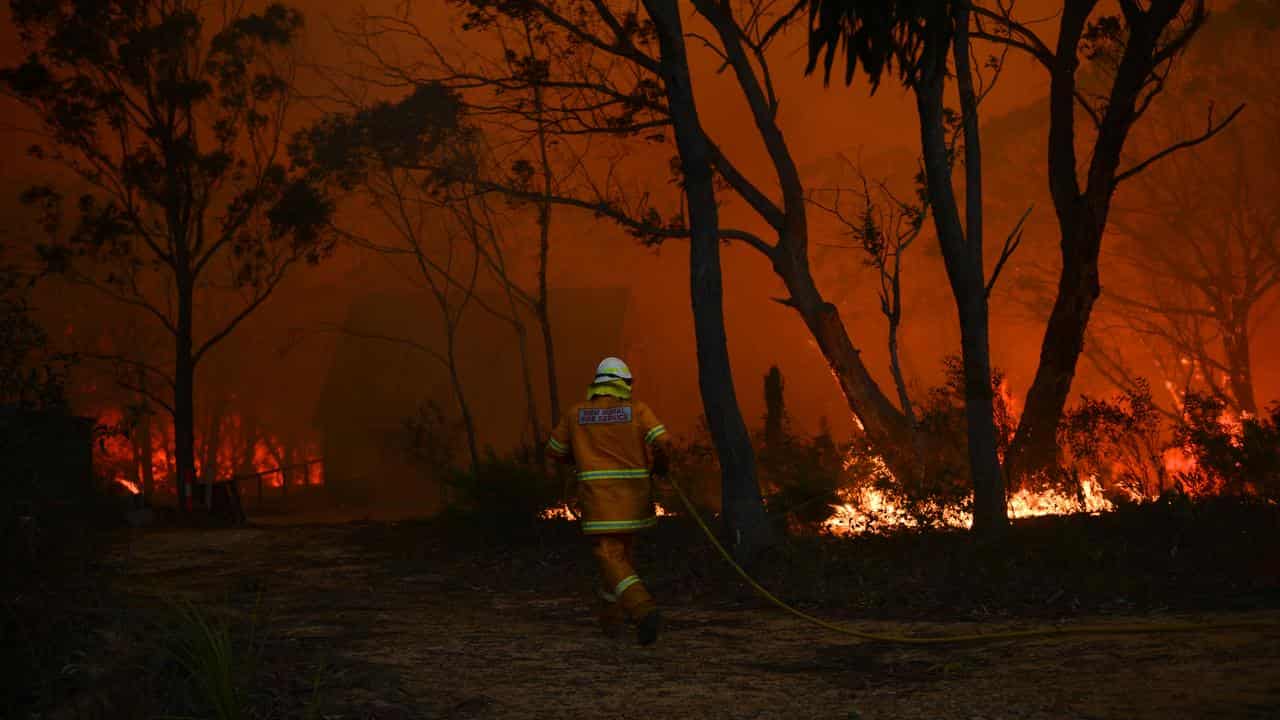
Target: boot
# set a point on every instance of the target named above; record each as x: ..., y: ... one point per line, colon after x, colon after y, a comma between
x: 647, y: 628
x: 610, y: 617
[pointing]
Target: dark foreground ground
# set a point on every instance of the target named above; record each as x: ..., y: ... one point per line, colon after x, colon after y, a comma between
x: 400, y: 620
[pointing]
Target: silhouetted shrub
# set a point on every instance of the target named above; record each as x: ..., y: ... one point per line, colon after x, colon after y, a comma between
x: 693, y: 465
x: 1233, y: 455
x: 505, y: 497
x: 1118, y: 441
x: 800, y: 476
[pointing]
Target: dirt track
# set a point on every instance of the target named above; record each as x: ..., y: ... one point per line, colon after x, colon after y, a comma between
x: 390, y: 643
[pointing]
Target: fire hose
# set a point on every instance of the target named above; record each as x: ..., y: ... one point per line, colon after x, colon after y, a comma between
x: 1118, y: 629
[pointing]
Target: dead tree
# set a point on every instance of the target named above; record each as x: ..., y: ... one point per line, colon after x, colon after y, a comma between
x: 416, y: 161
x: 526, y: 147
x: 883, y: 226
x: 1202, y: 249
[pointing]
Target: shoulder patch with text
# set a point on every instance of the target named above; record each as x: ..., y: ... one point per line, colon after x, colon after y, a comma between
x: 604, y: 416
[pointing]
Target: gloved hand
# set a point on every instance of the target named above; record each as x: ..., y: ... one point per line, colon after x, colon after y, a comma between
x: 660, y: 465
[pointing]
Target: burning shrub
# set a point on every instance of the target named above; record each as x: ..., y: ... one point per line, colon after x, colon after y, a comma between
x: 1118, y: 442
x: 928, y: 486
x: 1235, y: 456
x: 925, y: 482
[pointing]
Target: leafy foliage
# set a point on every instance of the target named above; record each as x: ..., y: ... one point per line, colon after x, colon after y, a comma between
x: 878, y: 36
x: 425, y: 131
x: 175, y: 130
x: 32, y: 375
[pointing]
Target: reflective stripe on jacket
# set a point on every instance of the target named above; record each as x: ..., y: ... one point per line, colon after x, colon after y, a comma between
x: 608, y: 438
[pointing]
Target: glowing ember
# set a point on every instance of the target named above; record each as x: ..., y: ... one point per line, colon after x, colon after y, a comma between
x: 564, y: 512
x: 558, y: 512
x: 129, y: 485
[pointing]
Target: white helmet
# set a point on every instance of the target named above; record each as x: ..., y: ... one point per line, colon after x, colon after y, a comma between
x: 612, y: 368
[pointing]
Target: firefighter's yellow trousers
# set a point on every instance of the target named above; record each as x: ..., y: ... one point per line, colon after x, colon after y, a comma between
x: 621, y: 590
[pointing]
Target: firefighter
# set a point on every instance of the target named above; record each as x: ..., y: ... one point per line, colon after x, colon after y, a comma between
x: 615, y: 442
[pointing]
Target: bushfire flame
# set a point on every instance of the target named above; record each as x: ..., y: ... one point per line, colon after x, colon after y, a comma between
x: 119, y: 457
x: 868, y: 509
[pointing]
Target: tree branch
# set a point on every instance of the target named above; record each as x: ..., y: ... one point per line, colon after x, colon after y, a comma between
x: 1190, y: 142
x: 1011, y: 244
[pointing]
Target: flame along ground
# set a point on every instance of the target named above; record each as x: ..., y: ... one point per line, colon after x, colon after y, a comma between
x: 862, y: 508
x: 115, y: 457
x: 865, y: 509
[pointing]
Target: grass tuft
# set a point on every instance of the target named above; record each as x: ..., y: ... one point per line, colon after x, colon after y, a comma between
x: 205, y: 649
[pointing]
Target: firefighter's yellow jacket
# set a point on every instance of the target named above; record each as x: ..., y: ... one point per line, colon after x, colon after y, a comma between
x: 610, y: 438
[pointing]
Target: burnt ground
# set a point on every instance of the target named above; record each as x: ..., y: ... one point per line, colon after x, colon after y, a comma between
x: 394, y: 620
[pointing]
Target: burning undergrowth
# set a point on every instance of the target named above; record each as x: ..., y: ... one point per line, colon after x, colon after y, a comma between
x: 1113, y: 452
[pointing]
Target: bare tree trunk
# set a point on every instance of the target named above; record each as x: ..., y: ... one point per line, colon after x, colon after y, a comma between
x: 1080, y: 220
x: 742, y: 509
x: 531, y: 399
x: 479, y: 231
x: 775, y: 411
x: 460, y: 395
x: 526, y: 376
x: 1235, y: 342
x: 212, y: 442
x: 962, y: 250
x: 895, y: 356
x: 184, y: 440
x: 1035, y: 443
x: 868, y: 403
x: 548, y: 342
x: 143, y: 443
x: 542, y: 304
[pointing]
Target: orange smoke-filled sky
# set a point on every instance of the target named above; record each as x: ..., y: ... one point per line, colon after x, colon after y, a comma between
x: 819, y: 123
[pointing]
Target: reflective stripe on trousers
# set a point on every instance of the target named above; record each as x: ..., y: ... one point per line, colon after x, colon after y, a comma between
x: 619, y: 580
